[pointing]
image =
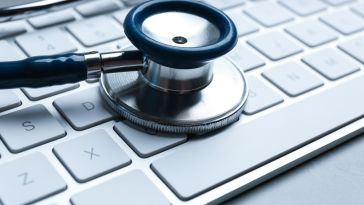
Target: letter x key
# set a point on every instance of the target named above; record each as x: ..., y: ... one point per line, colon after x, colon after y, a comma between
x: 92, y: 153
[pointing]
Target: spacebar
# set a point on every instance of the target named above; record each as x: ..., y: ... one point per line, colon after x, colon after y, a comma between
x: 205, y: 163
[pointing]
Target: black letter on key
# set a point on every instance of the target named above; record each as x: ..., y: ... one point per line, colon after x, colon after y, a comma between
x: 88, y: 106
x: 28, y: 126
x: 26, y: 181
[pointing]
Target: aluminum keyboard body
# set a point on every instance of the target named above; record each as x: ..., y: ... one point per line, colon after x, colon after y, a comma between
x: 303, y: 61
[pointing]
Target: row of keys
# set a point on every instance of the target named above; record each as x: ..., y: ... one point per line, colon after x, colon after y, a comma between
x: 33, y: 126
x: 311, y: 33
x: 300, y: 7
x: 258, y: 12
x: 295, y: 79
x: 32, y: 178
x: 103, y: 29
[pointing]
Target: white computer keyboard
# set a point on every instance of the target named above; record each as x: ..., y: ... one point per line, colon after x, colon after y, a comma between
x: 63, y: 145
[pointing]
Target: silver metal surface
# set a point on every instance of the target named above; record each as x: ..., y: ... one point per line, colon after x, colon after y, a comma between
x: 123, y: 61
x: 196, y: 112
x: 94, y: 65
x: 177, y: 80
x: 112, y: 62
x: 180, y: 29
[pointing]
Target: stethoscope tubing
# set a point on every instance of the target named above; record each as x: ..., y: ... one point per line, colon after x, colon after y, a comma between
x: 43, y: 71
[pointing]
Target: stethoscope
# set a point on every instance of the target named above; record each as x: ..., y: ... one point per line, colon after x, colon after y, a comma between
x: 177, y: 82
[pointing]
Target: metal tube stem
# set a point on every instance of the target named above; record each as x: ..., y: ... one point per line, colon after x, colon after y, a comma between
x: 113, y: 62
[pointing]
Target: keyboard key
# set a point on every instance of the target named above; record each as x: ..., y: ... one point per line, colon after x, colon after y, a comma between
x: 293, y: 79
x: 29, y: 127
x: 337, y: 2
x: 359, y: 9
x: 269, y: 14
x: 312, y: 33
x: 132, y: 2
x: 84, y: 109
x: 10, y: 52
x: 261, y: 97
x: 91, y: 156
x: 245, y: 59
x: 355, y: 48
x: 46, y: 42
x: 275, y: 45
x: 242, y: 23
x: 331, y: 64
x: 223, y: 4
x: 51, y: 19
x: 346, y: 22
x: 305, y: 7
x: 121, y: 15
x: 96, y: 8
x: 123, y: 44
x: 29, y: 179
x: 41, y: 93
x: 8, y: 100
x: 11, y: 29
x: 146, y: 145
x: 131, y: 188
x: 99, y: 30
x: 205, y: 163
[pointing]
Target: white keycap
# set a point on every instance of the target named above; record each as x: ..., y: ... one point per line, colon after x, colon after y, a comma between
x: 84, y: 109
x: 8, y: 100
x: 29, y: 127
x: 96, y: 31
x: 331, y: 64
x: 121, y: 15
x: 346, y: 22
x: 97, y: 7
x: 312, y: 33
x: 146, y: 145
x: 293, y: 78
x: 275, y: 45
x: 29, y: 179
x: 355, y: 48
x: 245, y: 59
x: 304, y: 7
x: 51, y: 19
x: 92, y: 155
x: 359, y: 9
x: 44, y: 92
x: 10, y: 52
x: 261, y: 97
x: 132, y: 2
x: 11, y: 29
x: 337, y: 2
x: 46, y: 42
x: 132, y: 188
x: 223, y: 4
x: 269, y: 14
x: 243, y: 25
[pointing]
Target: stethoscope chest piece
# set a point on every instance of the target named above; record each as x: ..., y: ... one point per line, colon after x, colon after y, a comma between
x: 186, y: 86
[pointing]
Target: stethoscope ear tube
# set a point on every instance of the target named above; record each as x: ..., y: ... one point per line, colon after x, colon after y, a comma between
x: 42, y: 71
